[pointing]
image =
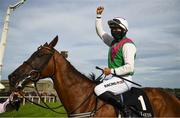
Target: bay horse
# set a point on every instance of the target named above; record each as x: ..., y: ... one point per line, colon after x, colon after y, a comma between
x: 75, y: 90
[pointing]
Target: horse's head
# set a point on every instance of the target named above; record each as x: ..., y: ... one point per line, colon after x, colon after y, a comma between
x: 38, y: 66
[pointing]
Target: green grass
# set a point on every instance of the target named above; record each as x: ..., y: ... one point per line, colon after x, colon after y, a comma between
x: 30, y: 110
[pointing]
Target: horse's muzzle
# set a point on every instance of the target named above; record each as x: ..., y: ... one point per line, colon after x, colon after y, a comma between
x: 15, y: 85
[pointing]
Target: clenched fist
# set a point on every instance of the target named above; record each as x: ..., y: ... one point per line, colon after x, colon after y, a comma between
x: 99, y: 10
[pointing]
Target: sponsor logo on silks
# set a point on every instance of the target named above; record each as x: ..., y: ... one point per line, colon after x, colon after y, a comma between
x: 113, y: 83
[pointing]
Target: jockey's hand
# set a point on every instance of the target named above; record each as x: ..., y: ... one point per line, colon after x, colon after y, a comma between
x: 107, y: 71
x: 16, y: 94
x: 99, y: 10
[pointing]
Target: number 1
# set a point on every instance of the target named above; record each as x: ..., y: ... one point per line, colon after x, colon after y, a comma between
x: 142, y: 103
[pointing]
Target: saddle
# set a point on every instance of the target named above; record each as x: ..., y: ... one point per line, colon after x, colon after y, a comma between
x: 137, y: 102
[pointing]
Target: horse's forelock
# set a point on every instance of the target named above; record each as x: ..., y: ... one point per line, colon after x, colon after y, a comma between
x: 46, y: 44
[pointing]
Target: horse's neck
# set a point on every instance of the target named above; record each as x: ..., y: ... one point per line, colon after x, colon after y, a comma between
x: 72, y: 87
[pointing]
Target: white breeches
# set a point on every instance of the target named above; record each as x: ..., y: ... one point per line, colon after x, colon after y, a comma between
x: 114, y: 85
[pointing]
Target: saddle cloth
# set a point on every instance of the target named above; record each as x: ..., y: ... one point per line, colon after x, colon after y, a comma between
x: 137, y: 99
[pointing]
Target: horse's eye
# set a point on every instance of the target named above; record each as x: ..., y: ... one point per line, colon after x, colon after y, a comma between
x: 40, y: 54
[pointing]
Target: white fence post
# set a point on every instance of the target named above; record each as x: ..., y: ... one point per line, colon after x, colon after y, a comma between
x: 39, y: 100
x: 34, y: 98
x: 24, y: 101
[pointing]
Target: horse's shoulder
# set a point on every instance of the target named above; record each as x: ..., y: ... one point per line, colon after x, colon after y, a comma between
x: 158, y: 91
x: 159, y: 94
x: 161, y: 99
x: 152, y: 91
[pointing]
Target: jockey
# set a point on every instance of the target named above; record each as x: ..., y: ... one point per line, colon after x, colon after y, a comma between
x: 12, y: 103
x: 121, y: 58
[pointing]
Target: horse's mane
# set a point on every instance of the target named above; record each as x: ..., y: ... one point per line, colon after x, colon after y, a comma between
x: 90, y: 78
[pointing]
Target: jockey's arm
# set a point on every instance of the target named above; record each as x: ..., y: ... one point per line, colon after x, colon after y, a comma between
x: 129, y: 51
x: 107, y: 39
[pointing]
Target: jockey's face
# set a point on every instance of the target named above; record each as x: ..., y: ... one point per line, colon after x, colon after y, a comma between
x: 117, y: 33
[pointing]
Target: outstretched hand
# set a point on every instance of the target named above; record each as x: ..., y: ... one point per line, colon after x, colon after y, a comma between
x: 16, y: 94
x: 99, y: 10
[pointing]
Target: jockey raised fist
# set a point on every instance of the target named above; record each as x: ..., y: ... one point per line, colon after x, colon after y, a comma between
x: 99, y: 10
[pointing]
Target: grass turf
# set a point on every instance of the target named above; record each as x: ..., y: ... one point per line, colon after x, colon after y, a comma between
x: 30, y: 110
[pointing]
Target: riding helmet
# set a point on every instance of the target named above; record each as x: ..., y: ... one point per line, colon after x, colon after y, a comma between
x: 118, y: 22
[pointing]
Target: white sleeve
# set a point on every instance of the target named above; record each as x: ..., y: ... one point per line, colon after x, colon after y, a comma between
x: 129, y: 51
x: 3, y: 106
x: 107, y: 39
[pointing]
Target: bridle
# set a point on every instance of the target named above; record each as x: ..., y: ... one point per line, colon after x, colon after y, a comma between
x: 39, y: 70
x: 35, y: 79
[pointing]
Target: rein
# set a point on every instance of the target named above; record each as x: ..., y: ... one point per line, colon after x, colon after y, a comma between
x: 39, y: 104
x: 70, y: 114
x: 37, y: 78
x: 46, y: 106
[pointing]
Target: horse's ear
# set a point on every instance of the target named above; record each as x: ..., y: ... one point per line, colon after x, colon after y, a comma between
x: 46, y: 44
x: 53, y: 42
